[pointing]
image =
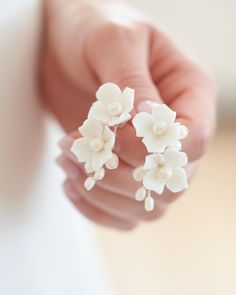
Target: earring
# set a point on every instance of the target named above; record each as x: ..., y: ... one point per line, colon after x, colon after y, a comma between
x: 163, y: 165
x: 95, y: 148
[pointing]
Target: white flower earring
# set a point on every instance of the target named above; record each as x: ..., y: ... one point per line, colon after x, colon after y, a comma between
x: 110, y: 112
x: 163, y: 166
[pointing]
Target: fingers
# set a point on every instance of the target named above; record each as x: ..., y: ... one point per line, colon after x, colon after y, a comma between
x: 93, y: 213
x: 108, y: 201
x: 123, y: 58
x: 187, y: 89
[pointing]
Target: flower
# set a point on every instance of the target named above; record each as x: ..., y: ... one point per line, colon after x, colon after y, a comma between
x: 159, y: 129
x: 95, y: 147
x: 165, y: 169
x: 112, y: 106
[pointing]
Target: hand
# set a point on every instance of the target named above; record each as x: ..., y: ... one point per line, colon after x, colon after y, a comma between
x: 88, y: 45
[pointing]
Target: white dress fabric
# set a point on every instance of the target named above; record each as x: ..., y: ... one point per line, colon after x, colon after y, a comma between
x: 46, y: 246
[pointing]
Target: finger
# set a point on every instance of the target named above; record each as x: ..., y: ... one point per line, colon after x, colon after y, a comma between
x: 93, y: 213
x: 187, y: 89
x: 124, y: 59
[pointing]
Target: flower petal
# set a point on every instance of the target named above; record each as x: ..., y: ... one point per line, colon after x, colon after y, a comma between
x: 99, y: 159
x: 109, y: 138
x: 108, y: 92
x: 171, y: 137
x: 143, y: 124
x: 151, y: 182
x: 163, y: 113
x: 178, y: 181
x: 175, y: 159
x: 128, y: 99
x: 154, y: 144
x: 119, y: 120
x: 81, y: 149
x: 91, y: 128
x: 153, y: 160
x: 99, y: 112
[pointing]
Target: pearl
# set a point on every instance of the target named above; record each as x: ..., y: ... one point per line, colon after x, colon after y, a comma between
x: 159, y: 128
x: 165, y: 173
x: 99, y: 174
x: 183, y: 132
x: 138, y: 173
x: 88, y: 168
x: 149, y: 204
x: 140, y: 194
x: 112, y: 163
x: 115, y: 108
x: 96, y: 145
x: 89, y: 183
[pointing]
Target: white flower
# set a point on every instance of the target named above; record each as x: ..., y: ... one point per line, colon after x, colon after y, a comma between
x: 165, y: 169
x: 113, y: 106
x: 95, y: 147
x: 159, y: 129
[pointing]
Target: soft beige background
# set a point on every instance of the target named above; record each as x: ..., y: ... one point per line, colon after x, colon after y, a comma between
x: 192, y: 250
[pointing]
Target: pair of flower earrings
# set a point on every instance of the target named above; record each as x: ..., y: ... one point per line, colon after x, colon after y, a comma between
x: 163, y: 166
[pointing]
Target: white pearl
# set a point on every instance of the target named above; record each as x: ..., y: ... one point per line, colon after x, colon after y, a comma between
x: 183, y: 131
x: 115, y: 108
x: 159, y: 127
x: 96, y: 144
x: 165, y: 173
x: 140, y: 194
x: 112, y: 163
x: 149, y: 204
x: 88, y: 168
x: 99, y: 174
x: 138, y: 173
x: 89, y: 183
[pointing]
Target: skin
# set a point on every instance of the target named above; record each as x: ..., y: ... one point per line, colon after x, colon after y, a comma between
x: 87, y: 44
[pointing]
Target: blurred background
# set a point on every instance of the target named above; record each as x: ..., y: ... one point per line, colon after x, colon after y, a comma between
x: 191, y: 250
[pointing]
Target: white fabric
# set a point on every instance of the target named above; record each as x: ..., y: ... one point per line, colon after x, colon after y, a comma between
x: 46, y: 247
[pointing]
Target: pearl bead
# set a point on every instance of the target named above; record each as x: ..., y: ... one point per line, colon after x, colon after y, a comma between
x: 159, y: 128
x: 149, y: 204
x: 89, y: 183
x: 138, y: 173
x: 140, y: 194
x: 98, y: 175
x: 165, y: 173
x: 96, y: 144
x: 88, y: 168
x: 115, y: 108
x: 183, y: 132
x: 112, y: 163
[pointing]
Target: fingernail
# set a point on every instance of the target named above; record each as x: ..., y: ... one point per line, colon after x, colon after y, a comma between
x: 71, y: 192
x: 146, y: 106
x: 65, y: 142
x: 70, y: 169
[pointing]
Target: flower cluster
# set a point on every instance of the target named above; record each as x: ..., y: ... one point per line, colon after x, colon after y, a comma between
x: 110, y: 111
x: 163, y: 166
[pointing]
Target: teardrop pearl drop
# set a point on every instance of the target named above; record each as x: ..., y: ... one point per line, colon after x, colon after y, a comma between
x: 149, y: 204
x: 89, y: 183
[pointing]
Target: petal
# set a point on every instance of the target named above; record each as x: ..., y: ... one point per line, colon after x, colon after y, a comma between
x: 171, y: 137
x: 128, y: 99
x: 178, y: 181
x: 99, y: 159
x: 109, y: 138
x: 143, y: 124
x: 175, y: 159
x: 81, y: 149
x: 163, y: 113
x: 91, y: 128
x: 152, y: 161
x: 151, y: 182
x: 108, y: 92
x: 119, y: 120
x: 154, y: 144
x: 99, y: 112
